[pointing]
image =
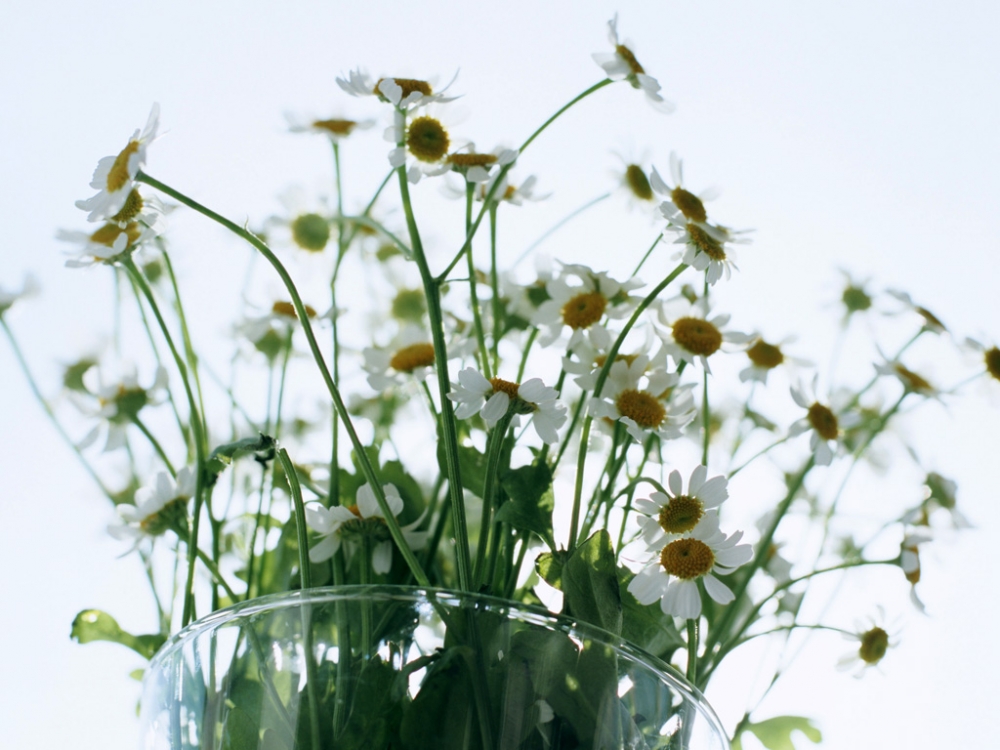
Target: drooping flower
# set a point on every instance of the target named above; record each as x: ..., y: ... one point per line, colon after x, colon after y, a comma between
x: 821, y: 419
x: 114, y: 177
x: 931, y: 321
x: 496, y: 398
x: 692, y: 336
x: 621, y: 64
x: 159, y: 507
x: 672, y: 576
x: 579, y: 298
x: 646, y: 402
x: 873, y: 641
x: 670, y: 516
x: 909, y: 561
x: 940, y: 495
x: 351, y: 523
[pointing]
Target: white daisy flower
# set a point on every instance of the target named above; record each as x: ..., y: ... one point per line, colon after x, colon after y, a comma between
x: 621, y: 64
x: 694, y: 337
x: 140, y: 220
x: 118, y: 405
x: 931, y: 321
x: 873, y: 642
x: 827, y: 428
x: 765, y: 357
x: 940, y: 495
x: 687, y: 224
x: 580, y: 305
x: 912, y: 382
x: 634, y: 182
x: 341, y: 523
x: 909, y: 561
x: 855, y: 296
x: 477, y: 167
x: 423, y: 143
x: 990, y: 356
x: 495, y: 398
x: 29, y: 288
x: 305, y: 223
x: 159, y: 507
x: 672, y: 576
x: 269, y: 333
x: 648, y: 402
x: 334, y: 128
x: 114, y: 177
x: 591, y: 351
x: 410, y: 355
x: 402, y: 93
x: 666, y: 517
x: 507, y: 192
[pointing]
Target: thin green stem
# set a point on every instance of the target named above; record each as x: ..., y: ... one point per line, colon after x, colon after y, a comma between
x: 692, y: 650
x: 648, y: 253
x: 493, y: 452
x: 706, y: 419
x: 477, y: 318
x: 155, y: 443
x: 495, y: 287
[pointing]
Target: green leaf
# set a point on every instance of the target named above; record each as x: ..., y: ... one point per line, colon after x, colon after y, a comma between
x: 590, y: 583
x: 394, y: 473
x: 472, y: 463
x: 261, y: 447
x: 436, y: 718
x: 531, y: 500
x: 776, y: 733
x: 375, y: 711
x: 549, y: 566
x: 93, y: 625
x: 240, y: 731
x: 645, y: 625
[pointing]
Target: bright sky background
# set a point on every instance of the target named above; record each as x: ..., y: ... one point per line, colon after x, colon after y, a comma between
x: 852, y: 135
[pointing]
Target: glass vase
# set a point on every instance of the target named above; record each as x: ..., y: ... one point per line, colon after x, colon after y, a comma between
x: 373, y: 667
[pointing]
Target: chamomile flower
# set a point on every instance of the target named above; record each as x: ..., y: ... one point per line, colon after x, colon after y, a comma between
x: 140, y: 220
x: 765, y: 357
x: 270, y: 332
x: 692, y: 336
x: 909, y: 561
x: 672, y: 576
x: 478, y: 167
x: 621, y: 64
x: 334, y: 128
x: 305, y: 223
x: 990, y: 355
x: 409, y: 356
x: 911, y: 381
x: 589, y: 354
x: 855, y: 296
x: 159, y: 507
x: 29, y: 288
x: 578, y: 299
x: 647, y: 402
x: 114, y: 177
x: 118, y: 405
x: 496, y: 398
x: 940, y: 495
x: 825, y: 425
x: 669, y: 516
x: 873, y: 641
x: 352, y: 523
x: 931, y: 321
x: 402, y: 93
x: 423, y: 142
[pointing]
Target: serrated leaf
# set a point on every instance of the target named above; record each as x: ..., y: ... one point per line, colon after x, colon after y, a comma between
x: 94, y: 625
x: 776, y: 733
x: 590, y: 584
x: 531, y: 500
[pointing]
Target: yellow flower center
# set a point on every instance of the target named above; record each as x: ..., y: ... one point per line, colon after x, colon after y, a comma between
x: 409, y: 358
x: 688, y: 204
x: 462, y: 159
x: 629, y: 57
x: 311, y: 232
x: 600, y: 359
x: 687, y: 558
x: 911, y: 381
x: 764, y: 355
x: 824, y: 421
x: 992, y: 359
x: 696, y: 335
x: 517, y: 404
x: 131, y: 209
x: 641, y: 407
x: 638, y: 183
x: 337, y: 127
x: 107, y: 234
x: 118, y: 175
x: 427, y: 139
x: 706, y: 243
x: 583, y: 310
x: 408, y: 85
x: 681, y: 514
x: 288, y: 309
x: 874, y: 644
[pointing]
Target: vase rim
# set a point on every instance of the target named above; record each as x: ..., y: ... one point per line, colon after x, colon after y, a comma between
x: 389, y: 592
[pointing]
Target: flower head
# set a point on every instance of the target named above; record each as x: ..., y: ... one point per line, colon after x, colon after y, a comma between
x: 692, y: 336
x: 909, y: 561
x: 497, y: 398
x: 409, y: 356
x: 911, y: 381
x: 402, y: 93
x: 765, y: 357
x: 159, y: 507
x: 931, y: 321
x: 341, y: 523
x: 940, y: 494
x: 270, y: 333
x: 670, y: 516
x: 118, y: 405
x: 334, y: 128
x: 990, y: 355
x: 672, y: 576
x: 873, y: 642
x: 114, y: 177
x: 140, y: 220
x: 621, y: 64
x: 826, y: 426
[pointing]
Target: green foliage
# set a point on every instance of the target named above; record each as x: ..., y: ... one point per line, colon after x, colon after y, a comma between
x: 94, y: 625
x: 261, y: 448
x: 645, y: 625
x: 530, y: 503
x: 776, y: 733
x: 549, y: 566
x: 590, y: 583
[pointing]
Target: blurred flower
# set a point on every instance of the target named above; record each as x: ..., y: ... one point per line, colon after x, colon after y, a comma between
x: 765, y: 357
x: 118, y: 405
x: 931, y: 322
x: 138, y: 222
x: 114, y: 177
x: 621, y: 64
x: 825, y: 425
x: 333, y: 128
x: 672, y: 576
x: 911, y: 381
x: 668, y: 516
x: 269, y: 333
x: 855, y: 297
x: 495, y: 398
x: 159, y: 507
x: 694, y: 337
x: 402, y: 93
x: 305, y: 224
x: 990, y: 354
x: 874, y: 641
x: 909, y: 561
x: 477, y: 167
x: 29, y: 288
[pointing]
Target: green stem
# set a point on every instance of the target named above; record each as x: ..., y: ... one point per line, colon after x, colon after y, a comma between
x: 602, y: 377
x: 648, y: 253
x: 477, y: 319
x: 493, y: 452
x: 495, y: 287
x: 692, y: 650
x: 366, y: 467
x: 705, y: 419
x: 155, y: 443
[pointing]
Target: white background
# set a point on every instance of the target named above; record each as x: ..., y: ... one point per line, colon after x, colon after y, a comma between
x: 851, y: 135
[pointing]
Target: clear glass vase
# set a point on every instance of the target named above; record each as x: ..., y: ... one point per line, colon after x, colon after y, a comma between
x: 373, y: 667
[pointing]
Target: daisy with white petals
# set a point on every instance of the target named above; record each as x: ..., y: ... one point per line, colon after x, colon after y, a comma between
x: 692, y: 336
x: 825, y: 425
x: 402, y: 93
x: 480, y: 167
x: 621, y: 64
x: 669, y: 516
x: 496, y: 398
x: 114, y: 177
x: 409, y: 356
x: 159, y: 507
x: 765, y: 357
x: 423, y: 142
x: 334, y: 128
x: 352, y: 523
x: 873, y: 641
x: 672, y: 576
x: 118, y: 405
